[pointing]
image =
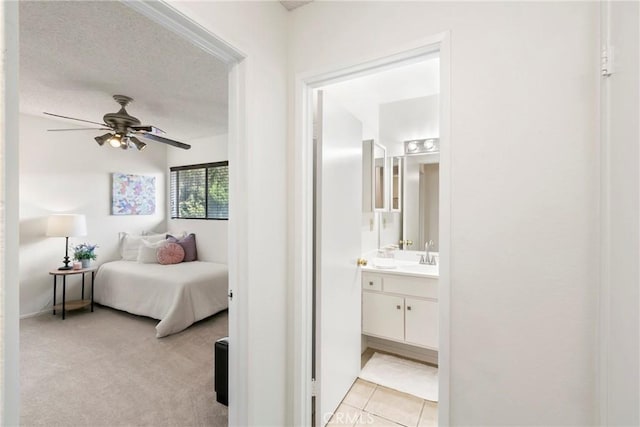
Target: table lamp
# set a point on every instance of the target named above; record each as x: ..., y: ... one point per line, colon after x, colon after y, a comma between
x: 66, y: 225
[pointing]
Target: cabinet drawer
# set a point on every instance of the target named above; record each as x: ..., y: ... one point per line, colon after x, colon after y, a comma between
x: 371, y: 282
x: 414, y: 286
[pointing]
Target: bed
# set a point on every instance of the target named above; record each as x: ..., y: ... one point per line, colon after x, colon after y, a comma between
x: 178, y: 294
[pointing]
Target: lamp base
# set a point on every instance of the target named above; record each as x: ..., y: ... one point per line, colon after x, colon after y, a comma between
x: 66, y: 261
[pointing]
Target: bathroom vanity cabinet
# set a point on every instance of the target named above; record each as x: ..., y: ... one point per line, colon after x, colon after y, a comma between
x: 400, y: 308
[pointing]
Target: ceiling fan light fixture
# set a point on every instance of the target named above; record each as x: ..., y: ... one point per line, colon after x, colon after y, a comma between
x: 116, y: 140
x: 122, y: 126
x: 102, y: 139
x: 137, y: 143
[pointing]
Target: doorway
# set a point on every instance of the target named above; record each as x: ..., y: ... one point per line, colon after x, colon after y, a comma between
x: 180, y: 24
x: 330, y: 253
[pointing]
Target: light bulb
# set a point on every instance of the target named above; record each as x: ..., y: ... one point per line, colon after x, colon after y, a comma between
x: 115, y: 140
x: 412, y: 146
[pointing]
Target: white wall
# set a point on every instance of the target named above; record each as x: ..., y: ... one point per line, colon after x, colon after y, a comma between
x: 390, y: 224
x: 211, y: 235
x: 415, y: 118
x: 621, y: 206
x: 68, y: 172
x: 9, y: 289
x: 524, y: 80
x: 399, y: 121
x: 259, y: 30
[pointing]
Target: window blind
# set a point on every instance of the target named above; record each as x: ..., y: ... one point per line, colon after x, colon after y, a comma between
x: 200, y: 191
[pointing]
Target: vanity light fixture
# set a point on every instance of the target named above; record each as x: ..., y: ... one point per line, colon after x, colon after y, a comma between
x: 422, y: 146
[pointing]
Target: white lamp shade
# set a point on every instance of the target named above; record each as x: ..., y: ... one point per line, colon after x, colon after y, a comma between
x: 67, y: 225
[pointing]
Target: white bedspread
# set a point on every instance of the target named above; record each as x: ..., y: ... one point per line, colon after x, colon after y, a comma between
x: 178, y: 294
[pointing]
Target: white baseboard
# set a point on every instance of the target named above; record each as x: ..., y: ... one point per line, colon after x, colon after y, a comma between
x: 405, y: 350
x: 37, y: 313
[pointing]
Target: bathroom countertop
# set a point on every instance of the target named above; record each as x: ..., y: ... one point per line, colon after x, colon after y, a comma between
x: 401, y: 267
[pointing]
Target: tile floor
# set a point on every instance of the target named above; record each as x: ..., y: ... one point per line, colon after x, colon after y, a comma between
x: 369, y: 404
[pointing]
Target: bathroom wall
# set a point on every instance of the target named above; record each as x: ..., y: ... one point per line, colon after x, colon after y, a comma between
x: 211, y: 235
x: 429, y: 205
x: 524, y: 223
x: 414, y: 118
x: 68, y: 172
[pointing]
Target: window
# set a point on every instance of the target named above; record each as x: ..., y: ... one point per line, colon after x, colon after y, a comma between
x: 200, y: 191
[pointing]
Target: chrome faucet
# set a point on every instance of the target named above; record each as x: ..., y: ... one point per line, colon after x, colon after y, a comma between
x: 427, y: 258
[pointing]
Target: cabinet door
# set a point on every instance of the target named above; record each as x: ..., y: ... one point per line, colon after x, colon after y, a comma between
x: 383, y: 315
x: 421, y: 322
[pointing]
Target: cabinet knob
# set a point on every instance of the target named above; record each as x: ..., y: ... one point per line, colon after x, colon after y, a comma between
x: 398, y: 307
x: 408, y: 307
x: 370, y: 283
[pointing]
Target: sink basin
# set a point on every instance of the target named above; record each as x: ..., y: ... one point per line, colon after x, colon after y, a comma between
x: 420, y: 268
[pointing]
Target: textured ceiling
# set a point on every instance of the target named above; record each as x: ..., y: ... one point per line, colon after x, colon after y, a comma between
x: 292, y: 4
x: 75, y: 55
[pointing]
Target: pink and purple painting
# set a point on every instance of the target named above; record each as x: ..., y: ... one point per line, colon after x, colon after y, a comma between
x: 133, y: 194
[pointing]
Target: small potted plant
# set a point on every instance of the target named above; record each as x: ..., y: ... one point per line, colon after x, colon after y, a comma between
x: 85, y: 252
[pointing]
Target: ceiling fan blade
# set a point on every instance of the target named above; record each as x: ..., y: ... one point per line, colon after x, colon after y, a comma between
x: 165, y: 140
x: 73, y: 118
x: 62, y: 130
x: 148, y: 128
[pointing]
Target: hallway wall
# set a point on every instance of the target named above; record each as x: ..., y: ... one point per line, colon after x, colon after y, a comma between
x: 524, y: 153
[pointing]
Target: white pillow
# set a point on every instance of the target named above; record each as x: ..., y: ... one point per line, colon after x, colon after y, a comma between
x: 147, y: 253
x: 153, y: 233
x: 130, y: 244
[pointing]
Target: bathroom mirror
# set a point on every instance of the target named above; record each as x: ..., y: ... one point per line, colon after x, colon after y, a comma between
x: 379, y: 177
x: 420, y: 207
x: 395, y: 185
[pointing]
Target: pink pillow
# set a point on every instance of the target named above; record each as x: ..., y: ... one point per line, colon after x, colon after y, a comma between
x: 171, y: 253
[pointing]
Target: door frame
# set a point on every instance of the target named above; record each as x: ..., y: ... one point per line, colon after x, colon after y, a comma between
x: 301, y: 237
x: 173, y: 20
x: 237, y: 246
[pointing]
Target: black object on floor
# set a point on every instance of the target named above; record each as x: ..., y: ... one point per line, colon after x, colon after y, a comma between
x: 221, y: 370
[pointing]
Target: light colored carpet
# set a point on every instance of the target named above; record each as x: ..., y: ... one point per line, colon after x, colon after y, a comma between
x: 107, y: 368
x: 403, y: 375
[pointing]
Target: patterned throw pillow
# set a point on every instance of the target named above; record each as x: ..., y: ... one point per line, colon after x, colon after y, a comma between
x: 171, y: 253
x: 188, y: 243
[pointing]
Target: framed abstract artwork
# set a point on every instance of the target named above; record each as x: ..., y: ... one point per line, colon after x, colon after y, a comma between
x: 133, y: 194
